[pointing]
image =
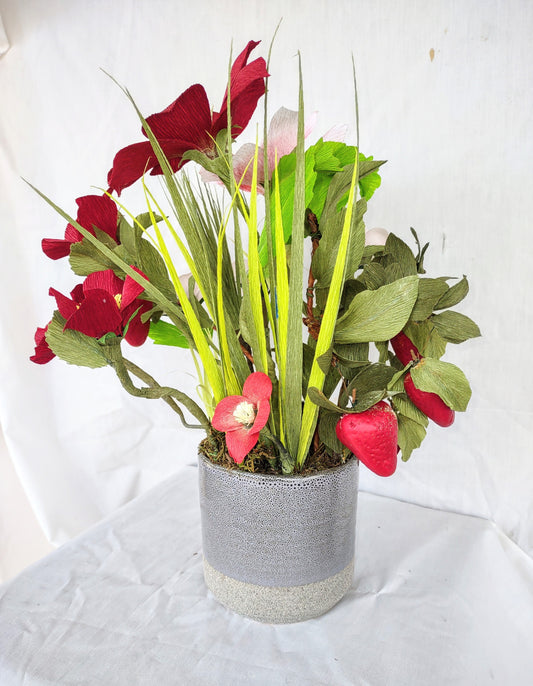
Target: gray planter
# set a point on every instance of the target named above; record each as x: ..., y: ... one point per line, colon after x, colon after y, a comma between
x: 278, y: 549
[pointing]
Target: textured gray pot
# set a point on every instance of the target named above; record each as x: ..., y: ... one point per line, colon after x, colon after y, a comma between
x: 278, y: 549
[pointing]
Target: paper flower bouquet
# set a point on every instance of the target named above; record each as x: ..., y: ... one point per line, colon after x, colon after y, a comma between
x: 313, y: 340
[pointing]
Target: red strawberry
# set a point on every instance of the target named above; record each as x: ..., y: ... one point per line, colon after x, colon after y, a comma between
x: 430, y: 403
x: 406, y: 351
x: 372, y: 436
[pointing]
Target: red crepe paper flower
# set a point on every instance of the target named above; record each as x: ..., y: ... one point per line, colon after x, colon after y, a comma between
x: 43, y: 352
x: 189, y: 124
x: 93, y: 211
x: 243, y: 416
x: 106, y: 304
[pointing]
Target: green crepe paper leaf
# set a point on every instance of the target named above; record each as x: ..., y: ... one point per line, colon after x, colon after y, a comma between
x: 444, y: 379
x: 429, y: 293
x: 403, y: 405
x: 455, y: 327
x: 165, y: 333
x: 426, y: 338
x: 327, y: 423
x: 393, y: 272
x: 410, y: 435
x: 324, y: 361
x: 378, y: 315
x: 145, y: 220
x: 454, y: 295
x: 401, y: 253
x: 374, y: 378
x: 373, y: 276
x: 324, y: 259
x: 218, y: 166
x: 74, y: 347
x: 319, y: 398
x: 85, y: 259
x: 383, y: 350
x: 352, y: 354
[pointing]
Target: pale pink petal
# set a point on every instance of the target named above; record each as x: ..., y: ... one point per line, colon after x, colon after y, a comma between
x: 283, y: 134
x: 376, y: 236
x: 257, y: 387
x: 223, y: 419
x: 240, y: 442
x: 337, y: 134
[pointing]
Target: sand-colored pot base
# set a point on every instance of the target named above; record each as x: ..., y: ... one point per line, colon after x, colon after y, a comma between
x: 278, y: 604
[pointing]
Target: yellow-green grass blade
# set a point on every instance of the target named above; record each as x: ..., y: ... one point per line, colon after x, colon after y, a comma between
x: 327, y: 327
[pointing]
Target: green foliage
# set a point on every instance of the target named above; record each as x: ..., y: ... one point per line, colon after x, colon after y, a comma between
x: 74, y: 347
x: 165, y: 333
x: 444, y: 379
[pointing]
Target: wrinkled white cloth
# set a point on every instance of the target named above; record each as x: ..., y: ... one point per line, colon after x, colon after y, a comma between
x: 437, y: 598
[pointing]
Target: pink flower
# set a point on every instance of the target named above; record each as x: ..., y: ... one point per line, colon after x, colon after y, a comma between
x: 243, y: 416
x: 282, y: 137
x: 189, y: 124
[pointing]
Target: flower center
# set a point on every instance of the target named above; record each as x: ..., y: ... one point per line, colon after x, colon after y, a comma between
x: 244, y: 413
x: 118, y: 299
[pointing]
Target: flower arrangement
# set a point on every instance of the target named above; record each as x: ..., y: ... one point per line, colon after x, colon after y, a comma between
x: 313, y: 340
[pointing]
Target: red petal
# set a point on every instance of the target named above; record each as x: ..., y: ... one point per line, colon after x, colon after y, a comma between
x: 55, y: 248
x: 130, y: 164
x: 77, y: 293
x: 137, y: 330
x: 131, y: 289
x: 240, y: 442
x: 261, y: 418
x: 247, y: 86
x: 257, y: 387
x: 99, y: 211
x: 97, y: 315
x: 223, y: 419
x: 43, y: 353
x: 105, y: 280
x: 187, y: 119
x: 65, y: 305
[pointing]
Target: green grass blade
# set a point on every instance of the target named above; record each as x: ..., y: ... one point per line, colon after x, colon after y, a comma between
x: 293, y: 389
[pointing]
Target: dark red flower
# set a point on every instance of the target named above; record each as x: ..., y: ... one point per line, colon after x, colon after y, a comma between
x: 243, y: 416
x: 93, y: 211
x: 106, y: 304
x: 43, y: 353
x: 189, y: 124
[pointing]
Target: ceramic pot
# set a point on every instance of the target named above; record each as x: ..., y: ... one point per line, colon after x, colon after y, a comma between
x: 278, y: 549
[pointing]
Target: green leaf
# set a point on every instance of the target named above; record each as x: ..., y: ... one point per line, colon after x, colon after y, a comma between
x: 378, y: 315
x: 454, y: 295
x: 165, y: 333
x: 373, y: 276
x: 426, y: 338
x: 444, y: 379
x: 401, y: 253
x: 410, y: 435
x: 74, y: 347
x: 327, y: 424
x: 318, y: 398
x: 145, y: 220
x: 429, y: 293
x: 403, y: 405
x: 85, y: 259
x: 455, y: 327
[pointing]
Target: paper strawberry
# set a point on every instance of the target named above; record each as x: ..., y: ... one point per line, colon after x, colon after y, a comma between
x: 372, y: 436
x: 431, y: 404
x: 406, y: 351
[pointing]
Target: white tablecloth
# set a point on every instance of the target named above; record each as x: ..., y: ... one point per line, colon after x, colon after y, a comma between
x: 437, y: 598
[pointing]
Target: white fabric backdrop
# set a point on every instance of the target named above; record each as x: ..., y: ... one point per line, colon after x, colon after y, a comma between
x: 445, y: 96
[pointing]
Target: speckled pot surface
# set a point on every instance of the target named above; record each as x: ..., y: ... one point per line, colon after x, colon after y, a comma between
x: 278, y: 549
